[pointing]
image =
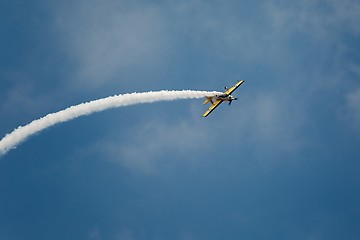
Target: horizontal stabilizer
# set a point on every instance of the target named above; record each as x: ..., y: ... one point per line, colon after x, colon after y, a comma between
x: 208, y: 99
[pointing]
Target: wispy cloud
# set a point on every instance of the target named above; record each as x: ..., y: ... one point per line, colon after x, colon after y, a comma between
x: 107, y: 39
x: 21, y: 99
x: 152, y: 146
x: 321, y: 20
x: 353, y: 107
x: 272, y: 123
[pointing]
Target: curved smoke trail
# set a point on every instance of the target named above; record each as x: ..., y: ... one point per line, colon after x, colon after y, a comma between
x: 21, y: 133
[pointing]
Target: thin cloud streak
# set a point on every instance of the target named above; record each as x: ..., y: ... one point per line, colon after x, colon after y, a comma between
x: 23, y: 132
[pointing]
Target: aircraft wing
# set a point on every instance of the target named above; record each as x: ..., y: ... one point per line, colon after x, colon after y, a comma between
x: 233, y: 88
x: 212, y: 107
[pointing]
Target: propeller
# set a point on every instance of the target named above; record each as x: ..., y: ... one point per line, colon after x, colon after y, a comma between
x: 232, y: 100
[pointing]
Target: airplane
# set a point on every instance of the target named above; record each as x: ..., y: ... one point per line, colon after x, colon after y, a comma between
x: 218, y: 99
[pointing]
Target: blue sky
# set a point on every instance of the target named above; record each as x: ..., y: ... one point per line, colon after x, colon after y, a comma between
x: 280, y: 163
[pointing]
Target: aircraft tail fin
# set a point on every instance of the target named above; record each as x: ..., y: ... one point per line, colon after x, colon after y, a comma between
x: 208, y: 99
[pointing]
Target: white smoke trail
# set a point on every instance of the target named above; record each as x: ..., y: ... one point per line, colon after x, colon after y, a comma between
x: 21, y: 133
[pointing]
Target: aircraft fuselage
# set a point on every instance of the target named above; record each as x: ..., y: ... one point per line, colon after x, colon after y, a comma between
x: 225, y: 97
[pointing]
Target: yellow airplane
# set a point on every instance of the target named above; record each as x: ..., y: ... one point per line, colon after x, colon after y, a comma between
x: 218, y: 99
